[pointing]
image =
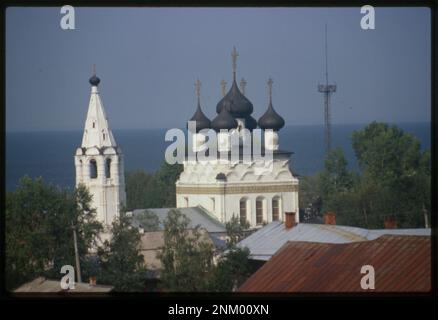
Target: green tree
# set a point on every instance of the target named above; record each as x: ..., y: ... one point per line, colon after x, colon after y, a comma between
x: 335, y: 180
x: 186, y: 257
x: 121, y: 263
x: 310, y: 199
x: 393, y: 165
x: 164, y: 185
x: 232, y: 269
x: 148, y: 220
x: 139, y: 189
x: 236, y: 231
x: 39, y: 237
x: 145, y: 190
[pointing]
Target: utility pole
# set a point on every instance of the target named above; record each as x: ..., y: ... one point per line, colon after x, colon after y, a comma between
x: 78, y: 265
x: 327, y: 90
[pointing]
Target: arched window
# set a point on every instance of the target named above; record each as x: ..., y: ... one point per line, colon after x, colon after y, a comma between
x: 93, y: 169
x: 259, y: 210
x: 108, y: 168
x: 275, y: 209
x: 243, y: 210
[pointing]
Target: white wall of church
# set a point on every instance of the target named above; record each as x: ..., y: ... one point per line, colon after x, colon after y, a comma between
x: 288, y: 202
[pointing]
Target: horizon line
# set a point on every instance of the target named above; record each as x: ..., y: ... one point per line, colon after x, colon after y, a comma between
x: 167, y: 128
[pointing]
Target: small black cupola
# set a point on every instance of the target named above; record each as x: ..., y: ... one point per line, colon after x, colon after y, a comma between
x: 224, y: 120
x: 202, y: 122
x: 271, y: 119
x: 94, y: 80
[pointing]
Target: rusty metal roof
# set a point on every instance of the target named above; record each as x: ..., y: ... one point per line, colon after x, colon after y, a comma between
x: 265, y: 242
x: 401, y: 264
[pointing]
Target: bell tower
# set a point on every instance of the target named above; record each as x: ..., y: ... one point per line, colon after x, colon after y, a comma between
x: 99, y: 161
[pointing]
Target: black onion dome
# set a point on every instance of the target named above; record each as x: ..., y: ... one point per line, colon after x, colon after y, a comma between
x: 239, y: 106
x: 224, y: 120
x: 250, y: 123
x: 271, y: 119
x: 94, y: 81
x: 202, y: 122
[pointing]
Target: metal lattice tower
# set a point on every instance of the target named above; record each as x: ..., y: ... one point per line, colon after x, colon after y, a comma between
x: 327, y: 90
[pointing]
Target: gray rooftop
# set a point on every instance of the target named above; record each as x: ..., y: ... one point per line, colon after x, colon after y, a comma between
x: 42, y: 284
x: 267, y: 240
x: 197, y: 216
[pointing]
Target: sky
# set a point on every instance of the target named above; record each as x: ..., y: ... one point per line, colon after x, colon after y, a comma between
x: 148, y: 60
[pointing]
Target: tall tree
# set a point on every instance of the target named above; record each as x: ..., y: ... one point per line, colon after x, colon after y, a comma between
x: 236, y: 231
x: 393, y: 163
x: 121, y: 263
x: 164, y: 185
x: 39, y: 237
x: 139, y: 189
x: 187, y: 255
x: 232, y: 269
x: 335, y: 180
x: 310, y: 199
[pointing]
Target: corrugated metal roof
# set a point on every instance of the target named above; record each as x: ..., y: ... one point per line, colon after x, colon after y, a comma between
x: 401, y: 264
x: 197, y: 216
x: 267, y: 240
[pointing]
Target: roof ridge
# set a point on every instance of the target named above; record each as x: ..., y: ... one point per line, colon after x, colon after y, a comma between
x: 342, y: 232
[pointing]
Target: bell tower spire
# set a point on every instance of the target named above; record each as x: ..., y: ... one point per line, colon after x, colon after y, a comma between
x: 99, y: 160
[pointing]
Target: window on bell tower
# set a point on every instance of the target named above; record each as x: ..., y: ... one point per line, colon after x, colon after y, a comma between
x: 108, y: 168
x: 93, y: 169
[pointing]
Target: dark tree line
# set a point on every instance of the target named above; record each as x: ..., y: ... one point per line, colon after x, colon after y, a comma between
x: 152, y: 190
x: 394, y: 180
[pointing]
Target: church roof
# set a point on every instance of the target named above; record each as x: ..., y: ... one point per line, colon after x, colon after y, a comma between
x: 202, y: 122
x: 271, y: 119
x: 224, y: 120
x: 250, y: 123
x: 236, y: 103
x: 97, y: 132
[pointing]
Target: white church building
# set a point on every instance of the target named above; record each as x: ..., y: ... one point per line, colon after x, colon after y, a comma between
x: 237, y: 188
x: 99, y: 161
x: 222, y: 188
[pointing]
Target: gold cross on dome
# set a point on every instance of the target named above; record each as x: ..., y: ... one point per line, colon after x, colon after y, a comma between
x: 223, y: 86
x: 234, y: 56
x: 243, y: 85
x: 198, y: 88
x: 270, y: 82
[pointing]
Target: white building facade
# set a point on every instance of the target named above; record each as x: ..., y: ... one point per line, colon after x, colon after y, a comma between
x: 99, y: 161
x: 239, y: 188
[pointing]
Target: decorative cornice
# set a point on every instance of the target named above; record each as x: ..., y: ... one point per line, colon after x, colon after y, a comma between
x: 236, y: 189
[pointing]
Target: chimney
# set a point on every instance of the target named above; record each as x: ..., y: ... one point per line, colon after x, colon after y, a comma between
x: 330, y: 218
x: 390, y: 222
x: 92, y: 280
x: 290, y: 220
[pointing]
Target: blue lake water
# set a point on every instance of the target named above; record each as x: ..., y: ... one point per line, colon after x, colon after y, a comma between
x: 50, y: 154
